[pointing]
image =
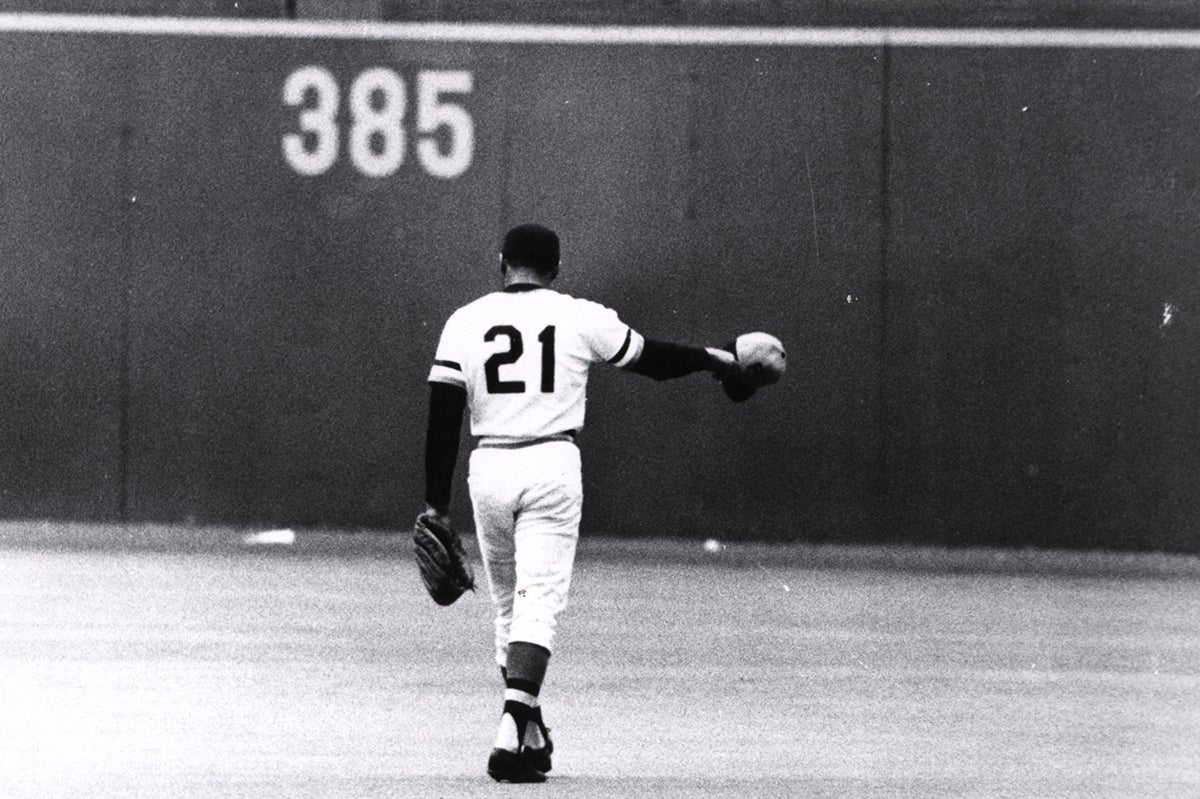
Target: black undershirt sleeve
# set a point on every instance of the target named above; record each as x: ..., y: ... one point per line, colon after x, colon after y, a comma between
x: 665, y: 360
x: 446, y: 406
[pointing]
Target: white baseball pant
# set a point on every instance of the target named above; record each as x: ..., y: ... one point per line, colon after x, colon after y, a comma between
x: 527, y: 502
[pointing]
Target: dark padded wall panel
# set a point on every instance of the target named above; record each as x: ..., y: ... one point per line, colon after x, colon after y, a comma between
x: 63, y: 222
x: 1041, y: 260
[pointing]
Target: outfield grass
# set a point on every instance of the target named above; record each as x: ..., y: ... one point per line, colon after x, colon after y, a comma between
x: 156, y: 662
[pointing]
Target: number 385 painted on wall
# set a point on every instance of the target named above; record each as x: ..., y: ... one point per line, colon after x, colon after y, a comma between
x: 376, y: 129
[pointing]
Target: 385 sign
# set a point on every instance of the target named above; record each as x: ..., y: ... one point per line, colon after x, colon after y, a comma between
x: 377, y: 125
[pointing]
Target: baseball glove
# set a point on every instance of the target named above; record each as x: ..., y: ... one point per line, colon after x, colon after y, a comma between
x: 441, y: 559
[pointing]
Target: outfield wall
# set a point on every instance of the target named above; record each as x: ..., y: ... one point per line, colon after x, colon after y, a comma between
x: 223, y: 285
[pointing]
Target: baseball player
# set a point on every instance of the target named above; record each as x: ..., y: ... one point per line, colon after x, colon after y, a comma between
x: 517, y: 360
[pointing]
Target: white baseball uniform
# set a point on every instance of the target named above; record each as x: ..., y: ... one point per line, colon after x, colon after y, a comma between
x: 523, y: 354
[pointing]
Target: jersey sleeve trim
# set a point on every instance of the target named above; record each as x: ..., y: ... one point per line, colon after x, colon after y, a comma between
x: 447, y: 372
x: 624, y: 348
x: 630, y: 350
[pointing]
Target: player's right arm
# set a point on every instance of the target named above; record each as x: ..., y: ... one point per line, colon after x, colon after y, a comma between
x: 667, y: 360
x: 659, y: 360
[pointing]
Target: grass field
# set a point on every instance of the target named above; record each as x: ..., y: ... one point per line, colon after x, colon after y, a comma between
x: 153, y: 662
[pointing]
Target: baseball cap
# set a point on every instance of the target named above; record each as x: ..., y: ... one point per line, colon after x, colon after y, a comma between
x: 532, y: 246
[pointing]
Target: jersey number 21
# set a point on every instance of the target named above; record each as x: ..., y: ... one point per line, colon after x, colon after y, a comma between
x: 516, y: 348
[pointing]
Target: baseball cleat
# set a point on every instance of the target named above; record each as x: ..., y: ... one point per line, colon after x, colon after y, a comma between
x: 505, y: 765
x: 539, y: 757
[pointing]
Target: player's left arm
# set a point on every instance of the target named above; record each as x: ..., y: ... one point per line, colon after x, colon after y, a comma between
x: 441, y: 560
x: 447, y: 405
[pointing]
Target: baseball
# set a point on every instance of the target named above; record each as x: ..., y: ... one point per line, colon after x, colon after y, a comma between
x: 712, y: 545
x: 764, y: 357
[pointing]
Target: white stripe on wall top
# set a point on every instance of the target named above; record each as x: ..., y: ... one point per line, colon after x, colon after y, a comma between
x: 489, y: 33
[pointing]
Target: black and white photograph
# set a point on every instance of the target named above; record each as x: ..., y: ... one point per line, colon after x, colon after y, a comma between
x: 599, y: 398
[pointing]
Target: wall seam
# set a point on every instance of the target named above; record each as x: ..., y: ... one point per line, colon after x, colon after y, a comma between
x: 883, y: 477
